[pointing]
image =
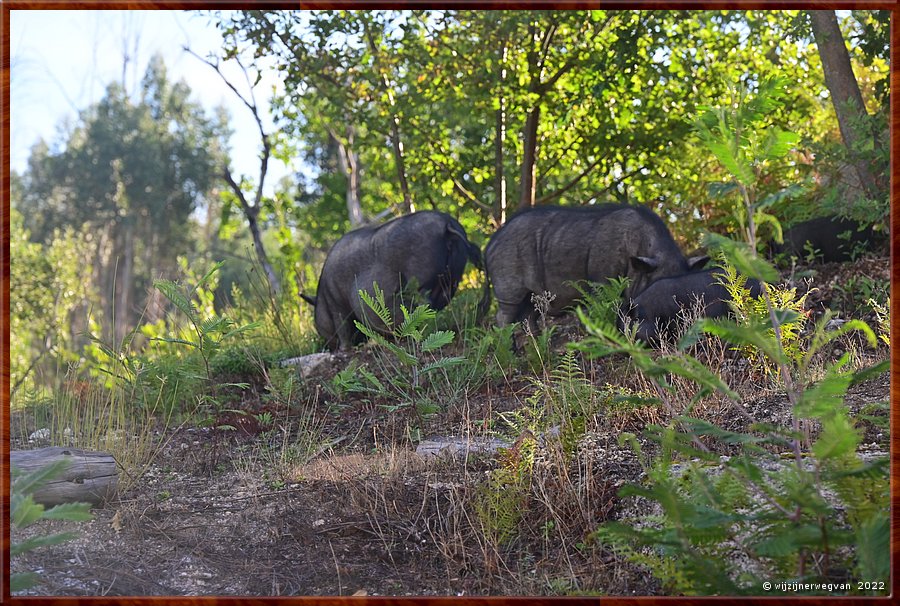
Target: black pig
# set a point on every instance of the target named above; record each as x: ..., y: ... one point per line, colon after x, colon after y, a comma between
x: 549, y: 248
x: 833, y: 238
x: 659, y: 305
x: 429, y: 247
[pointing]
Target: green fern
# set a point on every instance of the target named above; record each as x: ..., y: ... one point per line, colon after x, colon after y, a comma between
x: 750, y: 311
x: 414, y: 322
x: 412, y: 350
x: 441, y: 364
x: 377, y: 305
x: 601, y: 302
x: 499, y: 503
x: 206, y: 331
x: 781, y: 512
x: 179, y: 299
x: 437, y: 339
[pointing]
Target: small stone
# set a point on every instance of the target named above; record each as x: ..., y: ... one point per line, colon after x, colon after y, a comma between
x: 308, y: 365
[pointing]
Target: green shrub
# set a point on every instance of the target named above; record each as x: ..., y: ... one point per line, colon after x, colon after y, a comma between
x: 24, y: 512
x: 728, y: 523
x: 601, y: 302
x: 206, y: 331
x: 410, y: 356
x: 751, y: 311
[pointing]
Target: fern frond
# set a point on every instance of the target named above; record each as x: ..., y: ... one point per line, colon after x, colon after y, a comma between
x: 377, y: 305
x: 442, y: 363
x: 214, y: 324
x: 414, y: 322
x: 172, y: 292
x: 437, y: 339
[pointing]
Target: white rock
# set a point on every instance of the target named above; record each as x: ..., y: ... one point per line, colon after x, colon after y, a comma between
x: 835, y: 323
x: 307, y: 365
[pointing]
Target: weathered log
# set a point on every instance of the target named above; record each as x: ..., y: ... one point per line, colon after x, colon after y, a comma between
x: 459, y: 447
x: 91, y: 476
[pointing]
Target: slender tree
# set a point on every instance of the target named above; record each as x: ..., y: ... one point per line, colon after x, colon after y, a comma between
x: 845, y: 95
x: 250, y: 209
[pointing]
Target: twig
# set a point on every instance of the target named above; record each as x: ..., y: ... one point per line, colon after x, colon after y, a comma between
x: 337, y: 568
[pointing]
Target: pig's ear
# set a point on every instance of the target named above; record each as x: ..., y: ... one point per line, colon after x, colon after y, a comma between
x: 308, y: 299
x: 696, y: 263
x: 644, y: 264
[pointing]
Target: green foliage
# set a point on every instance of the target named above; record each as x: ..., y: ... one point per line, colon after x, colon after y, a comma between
x: 414, y: 367
x: 24, y: 512
x: 355, y: 379
x: 555, y: 413
x: 860, y: 295
x: 206, y: 330
x: 883, y: 319
x: 284, y: 320
x: 491, y: 351
x: 751, y: 311
x: 537, y: 350
x: 49, y: 281
x: 789, y: 518
x: 792, y: 522
x: 610, y: 92
x: 500, y: 500
x: 601, y: 302
x: 128, y: 173
x: 168, y: 365
x: 561, y: 404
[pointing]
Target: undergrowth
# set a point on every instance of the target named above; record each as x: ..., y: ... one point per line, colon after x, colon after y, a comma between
x: 727, y: 523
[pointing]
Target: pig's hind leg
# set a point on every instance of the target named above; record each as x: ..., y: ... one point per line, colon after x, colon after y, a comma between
x: 507, y: 313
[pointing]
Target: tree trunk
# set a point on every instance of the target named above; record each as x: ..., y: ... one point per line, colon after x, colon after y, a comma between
x: 102, y: 276
x: 845, y: 94
x: 124, y: 286
x: 499, y: 210
x: 408, y: 206
x: 500, y: 202
x: 529, y: 159
x: 348, y: 161
x: 261, y: 251
x: 396, y: 140
x: 536, y: 64
x: 154, y: 308
x: 251, y: 213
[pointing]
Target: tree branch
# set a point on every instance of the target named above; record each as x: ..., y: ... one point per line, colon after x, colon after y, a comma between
x: 459, y: 187
x: 577, y: 140
x: 570, y: 184
x: 251, y: 105
x: 250, y: 211
x: 616, y: 182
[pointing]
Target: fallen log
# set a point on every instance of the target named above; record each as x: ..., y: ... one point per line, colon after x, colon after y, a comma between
x: 91, y: 477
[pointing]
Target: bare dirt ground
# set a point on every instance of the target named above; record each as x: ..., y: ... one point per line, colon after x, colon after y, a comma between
x: 239, y: 512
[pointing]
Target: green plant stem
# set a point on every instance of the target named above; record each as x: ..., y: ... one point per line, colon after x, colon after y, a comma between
x: 776, y: 327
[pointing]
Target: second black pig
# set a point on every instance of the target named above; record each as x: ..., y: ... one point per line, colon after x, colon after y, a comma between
x: 552, y: 248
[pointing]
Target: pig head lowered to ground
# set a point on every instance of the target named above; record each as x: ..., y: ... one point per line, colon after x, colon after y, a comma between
x: 655, y: 310
x: 549, y: 248
x: 429, y: 247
